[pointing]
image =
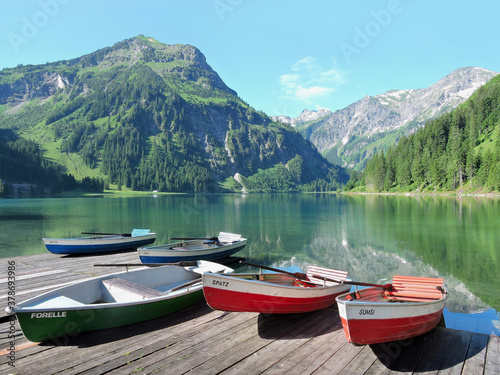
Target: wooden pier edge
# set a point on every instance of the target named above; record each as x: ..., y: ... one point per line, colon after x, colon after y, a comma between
x: 198, y: 340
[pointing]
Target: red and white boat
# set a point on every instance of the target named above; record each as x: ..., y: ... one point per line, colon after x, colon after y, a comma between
x: 410, y: 306
x: 274, y: 293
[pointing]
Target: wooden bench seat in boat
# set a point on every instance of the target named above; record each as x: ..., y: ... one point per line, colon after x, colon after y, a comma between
x: 228, y: 237
x: 140, y: 232
x: 127, y: 291
x: 320, y: 275
x: 408, y: 288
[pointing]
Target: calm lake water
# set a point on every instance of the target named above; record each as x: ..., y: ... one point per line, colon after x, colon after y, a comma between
x: 371, y: 237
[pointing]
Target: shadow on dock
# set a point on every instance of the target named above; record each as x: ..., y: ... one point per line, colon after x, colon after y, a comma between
x: 313, y: 324
x: 436, y: 350
x: 99, y: 337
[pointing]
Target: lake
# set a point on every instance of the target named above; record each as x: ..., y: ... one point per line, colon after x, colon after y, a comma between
x: 371, y: 237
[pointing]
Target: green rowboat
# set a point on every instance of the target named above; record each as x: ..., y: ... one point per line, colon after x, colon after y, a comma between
x: 112, y: 301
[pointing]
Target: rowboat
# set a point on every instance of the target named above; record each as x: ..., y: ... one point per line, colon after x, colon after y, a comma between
x: 274, y: 293
x: 212, y: 248
x: 100, y: 242
x: 408, y: 307
x: 111, y: 301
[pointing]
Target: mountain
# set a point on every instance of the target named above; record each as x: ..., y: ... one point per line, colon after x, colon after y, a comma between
x: 148, y: 115
x: 305, y: 117
x: 458, y: 151
x: 350, y: 136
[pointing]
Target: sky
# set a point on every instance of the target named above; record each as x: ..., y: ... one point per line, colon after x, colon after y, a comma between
x: 280, y: 56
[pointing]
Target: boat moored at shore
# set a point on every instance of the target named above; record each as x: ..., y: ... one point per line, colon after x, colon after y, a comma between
x: 112, y: 301
x: 100, y: 242
x: 274, y: 293
x: 210, y: 248
x: 408, y: 307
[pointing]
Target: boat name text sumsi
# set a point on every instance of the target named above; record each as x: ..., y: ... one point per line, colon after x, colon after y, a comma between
x: 367, y: 312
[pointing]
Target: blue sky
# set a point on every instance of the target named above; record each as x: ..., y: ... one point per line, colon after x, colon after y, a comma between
x: 280, y: 56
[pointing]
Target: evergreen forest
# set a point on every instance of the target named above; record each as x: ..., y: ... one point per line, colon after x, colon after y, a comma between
x: 459, y: 151
x: 146, y: 116
x: 21, y: 160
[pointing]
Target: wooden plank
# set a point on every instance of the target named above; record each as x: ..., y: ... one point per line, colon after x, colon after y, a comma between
x: 476, y: 355
x: 453, y: 361
x: 294, y: 332
x: 114, y: 354
x: 492, y: 366
x: 332, y: 350
x: 300, y: 361
x: 200, y: 340
x: 184, y: 348
x: 319, y: 275
x: 268, y: 331
x: 130, y: 287
x: 338, y: 362
x: 361, y: 363
x: 177, y: 329
x: 417, y: 280
x: 399, y: 356
x: 92, y: 348
x: 433, y: 356
x: 29, y: 276
x: 195, y: 351
x: 144, y: 344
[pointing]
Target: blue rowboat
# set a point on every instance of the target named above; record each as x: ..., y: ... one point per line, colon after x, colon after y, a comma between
x: 100, y: 242
x: 212, y: 249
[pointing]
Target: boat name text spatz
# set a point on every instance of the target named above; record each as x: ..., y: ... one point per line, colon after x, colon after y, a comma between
x: 220, y: 283
x: 52, y: 314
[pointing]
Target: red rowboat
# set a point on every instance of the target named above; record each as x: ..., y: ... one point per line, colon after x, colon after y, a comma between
x: 408, y: 307
x: 274, y: 293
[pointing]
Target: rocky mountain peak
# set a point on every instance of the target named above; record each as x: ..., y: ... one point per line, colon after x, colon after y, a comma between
x: 150, y: 115
x: 305, y: 116
x: 351, y: 135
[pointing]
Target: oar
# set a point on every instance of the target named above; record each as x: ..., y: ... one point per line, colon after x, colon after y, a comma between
x: 108, y: 234
x: 385, y: 286
x: 298, y: 275
x: 194, y: 238
x: 185, y: 284
x: 185, y: 263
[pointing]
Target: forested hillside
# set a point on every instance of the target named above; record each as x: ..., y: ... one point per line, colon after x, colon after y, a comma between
x: 144, y: 115
x: 22, y: 161
x: 459, y: 150
x: 352, y: 135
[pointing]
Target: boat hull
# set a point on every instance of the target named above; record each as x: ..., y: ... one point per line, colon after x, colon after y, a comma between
x: 59, y: 325
x: 165, y: 253
x: 367, y: 322
x: 96, y: 245
x: 234, y: 294
x: 111, y: 301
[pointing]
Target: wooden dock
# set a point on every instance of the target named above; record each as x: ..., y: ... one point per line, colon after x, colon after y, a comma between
x: 198, y: 340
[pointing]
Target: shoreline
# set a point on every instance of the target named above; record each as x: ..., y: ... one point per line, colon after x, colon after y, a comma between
x: 420, y: 194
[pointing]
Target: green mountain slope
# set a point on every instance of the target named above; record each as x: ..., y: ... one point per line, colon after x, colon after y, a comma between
x: 350, y: 136
x: 151, y: 116
x: 457, y: 151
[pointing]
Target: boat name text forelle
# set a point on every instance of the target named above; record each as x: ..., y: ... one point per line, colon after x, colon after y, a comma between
x: 52, y: 314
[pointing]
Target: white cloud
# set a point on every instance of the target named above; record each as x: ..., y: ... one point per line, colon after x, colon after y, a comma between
x: 305, y: 63
x: 310, y: 81
x: 308, y: 93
